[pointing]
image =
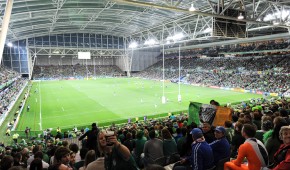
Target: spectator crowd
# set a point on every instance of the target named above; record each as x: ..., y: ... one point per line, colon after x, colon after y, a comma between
x: 258, y: 133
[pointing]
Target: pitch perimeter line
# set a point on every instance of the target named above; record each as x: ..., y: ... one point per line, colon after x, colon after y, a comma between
x: 40, y: 119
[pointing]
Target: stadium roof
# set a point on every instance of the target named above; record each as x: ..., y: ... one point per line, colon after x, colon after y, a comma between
x: 142, y: 20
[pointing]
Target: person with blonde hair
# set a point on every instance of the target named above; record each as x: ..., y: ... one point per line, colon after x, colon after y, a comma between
x: 282, y: 156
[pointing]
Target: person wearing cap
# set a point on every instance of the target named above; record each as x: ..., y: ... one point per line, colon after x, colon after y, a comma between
x: 201, y: 157
x: 220, y: 147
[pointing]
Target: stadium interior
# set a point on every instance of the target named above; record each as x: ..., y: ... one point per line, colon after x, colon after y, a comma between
x: 235, y: 47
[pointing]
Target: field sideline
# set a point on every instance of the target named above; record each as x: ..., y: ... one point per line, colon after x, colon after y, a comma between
x: 67, y: 103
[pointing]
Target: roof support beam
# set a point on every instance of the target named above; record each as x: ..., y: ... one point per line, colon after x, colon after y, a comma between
x: 5, y: 26
x: 170, y: 8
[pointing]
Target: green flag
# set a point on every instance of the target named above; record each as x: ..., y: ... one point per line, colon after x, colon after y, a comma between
x: 193, y: 113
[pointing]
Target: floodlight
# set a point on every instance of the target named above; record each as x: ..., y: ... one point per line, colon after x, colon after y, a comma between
x: 9, y: 44
x: 241, y: 16
x: 178, y: 36
x: 192, y: 8
x: 150, y: 42
x: 208, y: 30
x: 133, y: 45
x: 276, y: 23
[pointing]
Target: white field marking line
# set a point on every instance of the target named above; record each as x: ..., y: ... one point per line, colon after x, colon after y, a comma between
x: 40, y: 116
x: 62, y: 109
x: 35, y: 100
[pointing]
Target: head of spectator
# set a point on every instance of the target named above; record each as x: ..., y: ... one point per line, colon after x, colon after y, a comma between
x: 267, y: 125
x: 285, y: 134
x: 83, y: 153
x: 228, y: 124
x: 35, y: 149
x: 166, y: 134
x: 90, y: 157
x: 38, y: 155
x: 278, y: 123
x: 72, y: 158
x: 62, y: 155
x: 36, y: 164
x: 6, y: 162
x: 140, y: 134
x: 248, y: 131
x: 219, y: 132
x: 65, y: 143
x: 196, y: 134
x: 206, y: 127
x: 152, y: 134
x: 74, y: 147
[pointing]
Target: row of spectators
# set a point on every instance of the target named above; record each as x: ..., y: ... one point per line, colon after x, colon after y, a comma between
x: 7, y: 75
x: 76, y: 71
x: 268, y: 74
x: 257, y: 47
x: 166, y: 141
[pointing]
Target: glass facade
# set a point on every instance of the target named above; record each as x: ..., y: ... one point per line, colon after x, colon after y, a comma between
x: 16, y: 57
x: 80, y: 40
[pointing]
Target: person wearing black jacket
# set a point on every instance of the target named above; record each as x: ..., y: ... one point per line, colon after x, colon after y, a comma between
x: 91, y: 142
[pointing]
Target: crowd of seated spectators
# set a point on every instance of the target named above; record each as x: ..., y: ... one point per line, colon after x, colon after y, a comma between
x: 267, y: 74
x: 11, y: 84
x: 158, y: 142
x: 76, y: 71
x: 7, y: 75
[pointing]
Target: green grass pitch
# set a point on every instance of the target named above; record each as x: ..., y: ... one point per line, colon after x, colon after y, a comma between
x: 80, y: 102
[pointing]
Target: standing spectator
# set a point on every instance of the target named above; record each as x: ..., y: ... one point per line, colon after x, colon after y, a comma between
x: 220, y: 147
x: 252, y: 149
x: 91, y: 135
x: 153, y: 149
x: 27, y: 132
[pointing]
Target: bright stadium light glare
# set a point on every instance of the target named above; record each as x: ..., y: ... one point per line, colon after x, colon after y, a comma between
x: 150, y: 42
x: 178, y: 36
x: 208, y: 30
x: 9, y: 44
x: 240, y: 17
x: 192, y: 8
x: 133, y: 45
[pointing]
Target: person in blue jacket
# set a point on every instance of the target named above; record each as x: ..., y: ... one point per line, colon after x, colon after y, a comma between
x: 220, y: 147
